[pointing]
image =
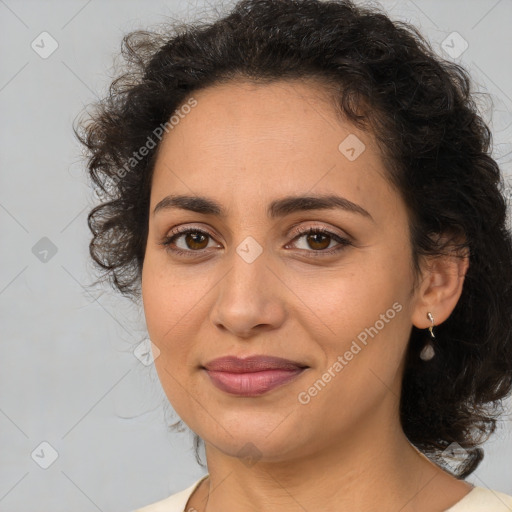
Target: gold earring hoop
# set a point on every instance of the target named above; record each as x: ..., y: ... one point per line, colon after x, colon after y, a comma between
x: 428, y: 351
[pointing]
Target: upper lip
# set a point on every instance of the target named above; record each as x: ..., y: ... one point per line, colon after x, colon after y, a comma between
x: 254, y: 363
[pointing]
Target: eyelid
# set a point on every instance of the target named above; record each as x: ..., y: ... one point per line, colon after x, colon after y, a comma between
x: 300, y: 229
x: 185, y: 228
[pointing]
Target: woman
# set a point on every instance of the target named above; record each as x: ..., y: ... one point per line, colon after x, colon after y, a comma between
x: 303, y: 196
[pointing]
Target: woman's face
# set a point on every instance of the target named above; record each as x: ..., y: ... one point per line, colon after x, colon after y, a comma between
x: 255, y: 285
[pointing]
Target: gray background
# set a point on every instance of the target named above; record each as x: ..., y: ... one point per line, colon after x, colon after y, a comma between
x: 68, y: 374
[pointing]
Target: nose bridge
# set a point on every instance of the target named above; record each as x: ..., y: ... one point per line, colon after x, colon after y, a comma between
x: 246, y: 295
x: 248, y: 272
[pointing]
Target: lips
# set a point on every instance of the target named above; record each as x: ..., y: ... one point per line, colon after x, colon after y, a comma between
x: 234, y: 364
x: 253, y: 375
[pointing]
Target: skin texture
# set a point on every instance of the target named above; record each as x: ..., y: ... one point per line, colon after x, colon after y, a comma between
x: 245, y: 145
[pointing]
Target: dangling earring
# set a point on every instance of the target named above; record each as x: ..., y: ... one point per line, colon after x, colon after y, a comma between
x: 428, y: 351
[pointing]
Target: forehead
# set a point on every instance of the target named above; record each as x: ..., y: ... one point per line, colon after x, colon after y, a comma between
x: 228, y: 112
x: 279, y: 138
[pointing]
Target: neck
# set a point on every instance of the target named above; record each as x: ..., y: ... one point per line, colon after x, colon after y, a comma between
x: 369, y: 468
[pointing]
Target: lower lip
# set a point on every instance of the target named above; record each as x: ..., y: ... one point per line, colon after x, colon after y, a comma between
x: 253, y: 383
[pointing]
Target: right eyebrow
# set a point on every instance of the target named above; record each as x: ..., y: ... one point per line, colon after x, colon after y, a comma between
x: 277, y: 208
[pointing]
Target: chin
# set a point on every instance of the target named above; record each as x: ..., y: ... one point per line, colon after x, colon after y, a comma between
x: 255, y: 439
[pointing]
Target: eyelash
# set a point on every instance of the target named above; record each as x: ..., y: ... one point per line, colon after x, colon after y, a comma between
x: 343, y: 242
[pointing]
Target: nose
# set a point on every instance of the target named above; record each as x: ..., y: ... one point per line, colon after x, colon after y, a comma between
x: 249, y: 298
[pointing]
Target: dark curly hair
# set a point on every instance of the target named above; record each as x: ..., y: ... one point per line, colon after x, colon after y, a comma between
x: 383, y: 76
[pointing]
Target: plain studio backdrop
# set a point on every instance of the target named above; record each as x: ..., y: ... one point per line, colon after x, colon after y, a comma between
x: 82, y: 415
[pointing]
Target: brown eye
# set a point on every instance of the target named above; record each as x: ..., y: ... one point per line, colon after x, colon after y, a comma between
x: 317, y: 241
x: 196, y: 240
x: 187, y: 242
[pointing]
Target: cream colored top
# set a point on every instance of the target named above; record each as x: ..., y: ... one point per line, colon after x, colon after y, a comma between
x: 479, y: 499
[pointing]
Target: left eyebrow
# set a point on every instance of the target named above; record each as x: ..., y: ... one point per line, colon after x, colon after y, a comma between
x: 292, y: 204
x: 277, y: 208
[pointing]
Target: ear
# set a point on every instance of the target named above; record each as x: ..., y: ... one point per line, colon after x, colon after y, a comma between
x: 440, y: 287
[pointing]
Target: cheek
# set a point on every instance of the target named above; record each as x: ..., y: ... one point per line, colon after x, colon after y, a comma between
x: 360, y: 314
x: 345, y: 301
x: 175, y: 305
x: 166, y: 303
x: 157, y: 308
x: 363, y: 349
x: 167, y: 297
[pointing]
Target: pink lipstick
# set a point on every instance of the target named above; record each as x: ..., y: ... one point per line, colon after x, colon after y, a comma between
x: 253, y: 375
